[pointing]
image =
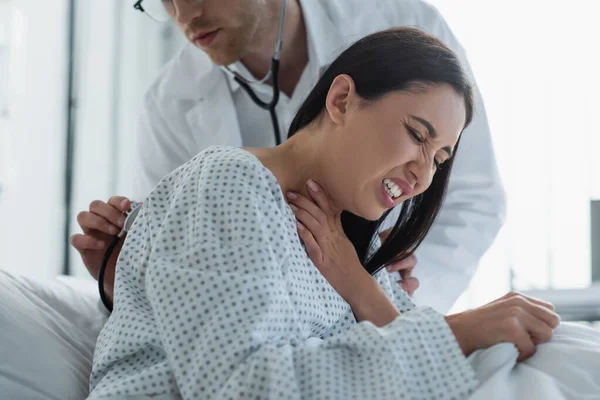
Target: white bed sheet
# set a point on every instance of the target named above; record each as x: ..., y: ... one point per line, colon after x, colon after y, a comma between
x: 567, y: 367
x: 49, y: 330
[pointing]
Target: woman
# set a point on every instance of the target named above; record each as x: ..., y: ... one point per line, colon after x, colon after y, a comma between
x: 217, y: 297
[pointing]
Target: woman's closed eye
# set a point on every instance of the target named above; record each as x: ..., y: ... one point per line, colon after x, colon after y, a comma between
x: 415, y: 135
x: 437, y: 161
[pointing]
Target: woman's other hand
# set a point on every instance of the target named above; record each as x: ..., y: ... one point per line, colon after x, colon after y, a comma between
x: 320, y: 229
x: 514, y: 318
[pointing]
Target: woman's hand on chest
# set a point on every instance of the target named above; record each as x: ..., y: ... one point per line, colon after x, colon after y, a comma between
x: 320, y: 229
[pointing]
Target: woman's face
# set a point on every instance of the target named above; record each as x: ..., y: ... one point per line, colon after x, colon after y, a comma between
x: 386, y: 151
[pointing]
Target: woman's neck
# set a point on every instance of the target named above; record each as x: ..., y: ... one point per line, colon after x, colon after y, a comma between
x: 295, y: 161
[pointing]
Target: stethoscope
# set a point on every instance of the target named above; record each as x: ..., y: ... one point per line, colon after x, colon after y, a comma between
x: 244, y: 83
x: 273, y: 72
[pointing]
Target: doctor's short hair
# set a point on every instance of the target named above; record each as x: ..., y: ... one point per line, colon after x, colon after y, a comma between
x: 398, y: 59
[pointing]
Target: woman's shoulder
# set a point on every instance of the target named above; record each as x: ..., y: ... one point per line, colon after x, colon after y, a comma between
x: 221, y: 171
x: 223, y: 166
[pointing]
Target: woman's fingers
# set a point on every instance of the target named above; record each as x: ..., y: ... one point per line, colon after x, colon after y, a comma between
x: 308, y: 220
x: 307, y: 205
x: 525, y: 345
x: 538, y: 329
x: 92, y: 222
x: 312, y: 247
x: 542, y: 312
x: 539, y: 302
x: 317, y: 194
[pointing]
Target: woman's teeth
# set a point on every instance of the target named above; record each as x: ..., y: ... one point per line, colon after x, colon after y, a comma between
x: 392, y: 189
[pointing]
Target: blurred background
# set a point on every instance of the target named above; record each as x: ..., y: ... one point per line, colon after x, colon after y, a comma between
x: 73, y: 75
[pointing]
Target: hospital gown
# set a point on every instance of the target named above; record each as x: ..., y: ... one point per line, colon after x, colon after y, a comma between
x: 215, y: 298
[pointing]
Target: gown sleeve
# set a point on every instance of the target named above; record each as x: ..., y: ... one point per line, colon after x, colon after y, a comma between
x: 217, y: 287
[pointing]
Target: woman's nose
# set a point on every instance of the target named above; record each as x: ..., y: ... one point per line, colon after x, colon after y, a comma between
x: 423, y: 167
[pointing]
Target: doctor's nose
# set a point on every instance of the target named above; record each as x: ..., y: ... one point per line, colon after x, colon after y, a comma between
x: 187, y: 10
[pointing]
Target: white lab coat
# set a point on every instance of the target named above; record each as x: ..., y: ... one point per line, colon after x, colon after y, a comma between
x: 194, y: 104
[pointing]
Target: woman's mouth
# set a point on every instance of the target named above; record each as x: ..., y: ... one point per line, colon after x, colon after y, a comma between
x: 390, y: 192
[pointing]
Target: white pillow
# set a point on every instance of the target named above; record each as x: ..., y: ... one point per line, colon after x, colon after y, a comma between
x: 48, y: 331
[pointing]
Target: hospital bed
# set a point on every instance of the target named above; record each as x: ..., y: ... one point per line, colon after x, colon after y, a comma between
x: 49, y: 330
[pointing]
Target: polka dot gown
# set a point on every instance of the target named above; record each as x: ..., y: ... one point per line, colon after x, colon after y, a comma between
x: 215, y: 298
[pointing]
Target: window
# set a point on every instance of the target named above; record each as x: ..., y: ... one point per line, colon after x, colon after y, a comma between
x: 536, y: 65
x: 32, y: 127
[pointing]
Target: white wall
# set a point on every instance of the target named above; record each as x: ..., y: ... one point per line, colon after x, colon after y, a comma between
x: 31, y: 212
x: 119, y: 51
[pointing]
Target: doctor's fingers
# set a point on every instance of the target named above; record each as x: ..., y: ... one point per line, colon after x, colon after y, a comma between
x: 89, y: 222
x: 120, y: 203
x: 409, y: 285
x: 408, y: 263
x: 383, y: 235
x: 86, y: 242
x: 109, y: 212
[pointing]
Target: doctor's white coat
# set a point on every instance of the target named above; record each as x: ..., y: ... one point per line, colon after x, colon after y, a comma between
x: 194, y: 104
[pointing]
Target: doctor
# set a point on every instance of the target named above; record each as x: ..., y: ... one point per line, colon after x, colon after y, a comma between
x: 196, y: 102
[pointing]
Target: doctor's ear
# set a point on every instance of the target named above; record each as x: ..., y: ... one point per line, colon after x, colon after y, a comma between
x: 342, y: 94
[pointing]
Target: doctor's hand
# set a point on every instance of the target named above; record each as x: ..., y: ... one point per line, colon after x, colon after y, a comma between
x: 514, y: 318
x: 405, y: 267
x: 99, y: 225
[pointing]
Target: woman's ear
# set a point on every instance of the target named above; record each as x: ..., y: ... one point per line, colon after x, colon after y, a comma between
x: 341, y: 94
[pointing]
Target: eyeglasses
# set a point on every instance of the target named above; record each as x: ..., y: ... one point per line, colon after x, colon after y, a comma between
x: 158, y: 10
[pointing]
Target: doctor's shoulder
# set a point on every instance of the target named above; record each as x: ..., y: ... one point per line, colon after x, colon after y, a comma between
x: 382, y: 14
x: 355, y: 21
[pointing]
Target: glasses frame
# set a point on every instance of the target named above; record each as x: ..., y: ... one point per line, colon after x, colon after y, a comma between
x: 138, y: 6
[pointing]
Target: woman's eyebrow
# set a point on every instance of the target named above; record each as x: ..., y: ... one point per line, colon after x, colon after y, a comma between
x: 431, y: 131
x: 426, y: 124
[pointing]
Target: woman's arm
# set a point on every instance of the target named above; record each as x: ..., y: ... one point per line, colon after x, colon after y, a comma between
x: 370, y: 303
